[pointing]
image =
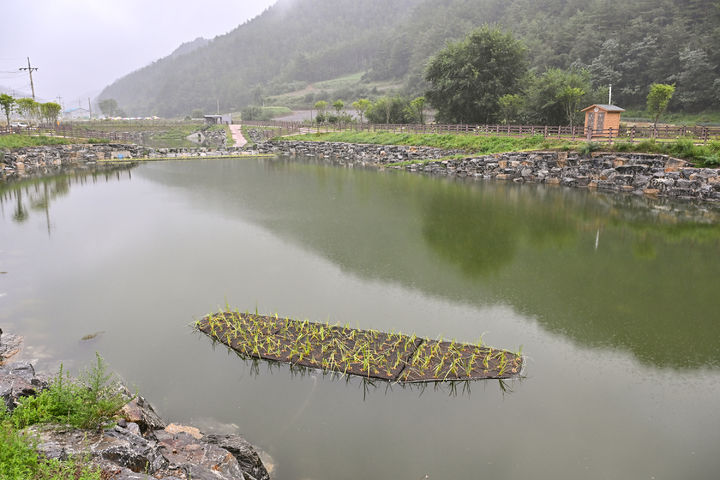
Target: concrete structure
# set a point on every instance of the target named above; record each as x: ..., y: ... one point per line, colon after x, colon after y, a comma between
x: 218, y: 119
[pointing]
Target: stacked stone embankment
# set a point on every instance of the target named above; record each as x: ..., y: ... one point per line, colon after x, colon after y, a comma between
x: 52, y: 159
x: 636, y: 173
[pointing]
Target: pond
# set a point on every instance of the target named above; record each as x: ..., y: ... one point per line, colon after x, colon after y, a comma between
x: 613, y: 300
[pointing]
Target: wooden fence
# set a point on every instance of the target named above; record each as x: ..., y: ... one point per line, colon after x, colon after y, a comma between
x: 270, y: 129
x: 699, y: 134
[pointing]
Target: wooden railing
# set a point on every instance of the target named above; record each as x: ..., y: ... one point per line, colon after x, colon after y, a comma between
x: 699, y: 134
x: 270, y: 129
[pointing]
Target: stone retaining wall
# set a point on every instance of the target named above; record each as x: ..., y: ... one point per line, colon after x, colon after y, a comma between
x: 637, y: 173
x: 51, y: 159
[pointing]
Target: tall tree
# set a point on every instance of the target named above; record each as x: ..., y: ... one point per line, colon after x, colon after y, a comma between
x: 50, y: 112
x: 418, y: 107
x: 468, y: 77
x: 28, y: 108
x: 7, y: 102
x: 658, y: 99
x: 361, y: 107
x: 108, y: 107
x: 553, y: 97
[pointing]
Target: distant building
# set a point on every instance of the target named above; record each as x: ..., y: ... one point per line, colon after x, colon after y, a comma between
x: 599, y: 119
x: 75, y: 113
x: 218, y: 119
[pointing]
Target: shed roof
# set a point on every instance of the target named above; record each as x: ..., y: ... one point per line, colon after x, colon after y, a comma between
x: 607, y: 108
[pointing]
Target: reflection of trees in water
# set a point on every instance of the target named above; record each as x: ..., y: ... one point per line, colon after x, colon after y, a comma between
x: 37, y: 194
x: 644, y: 288
x: 480, y: 229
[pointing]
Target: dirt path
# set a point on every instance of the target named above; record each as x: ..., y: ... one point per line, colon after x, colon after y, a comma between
x: 237, y: 135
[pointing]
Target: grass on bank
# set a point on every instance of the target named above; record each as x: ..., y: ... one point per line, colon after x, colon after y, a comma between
x: 88, y: 402
x: 469, y: 143
x: 16, y: 140
x: 707, y: 155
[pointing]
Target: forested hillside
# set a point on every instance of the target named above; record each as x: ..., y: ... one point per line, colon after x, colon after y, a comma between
x: 629, y: 44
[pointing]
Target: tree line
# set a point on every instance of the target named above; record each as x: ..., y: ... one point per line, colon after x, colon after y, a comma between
x: 630, y: 44
x: 29, y: 109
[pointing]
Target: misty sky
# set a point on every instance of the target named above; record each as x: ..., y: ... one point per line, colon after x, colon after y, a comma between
x: 81, y: 46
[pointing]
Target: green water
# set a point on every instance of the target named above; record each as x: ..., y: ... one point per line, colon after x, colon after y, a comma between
x: 613, y: 299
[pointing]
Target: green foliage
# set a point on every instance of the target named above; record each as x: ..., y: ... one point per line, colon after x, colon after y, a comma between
x: 361, y: 106
x: 367, y: 43
x: 18, y: 141
x: 28, y: 108
x: 7, y: 103
x: 467, y: 78
x: 658, y: 99
x: 417, y: 106
x: 469, y: 143
x: 49, y: 112
x: 512, y: 107
x: 553, y: 97
x: 390, y: 110
x: 589, y: 147
x: 17, y: 457
x: 86, y: 403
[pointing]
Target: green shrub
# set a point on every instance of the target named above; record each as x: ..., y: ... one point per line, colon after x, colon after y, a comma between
x: 648, y: 146
x: 18, y: 459
x: 589, y: 147
x: 624, y: 147
x: 711, y: 160
x: 86, y: 403
x: 683, y: 148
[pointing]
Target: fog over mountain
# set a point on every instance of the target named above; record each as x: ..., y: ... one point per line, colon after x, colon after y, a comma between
x: 297, y: 42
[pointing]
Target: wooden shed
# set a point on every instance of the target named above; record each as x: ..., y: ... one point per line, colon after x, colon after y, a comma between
x: 599, y: 119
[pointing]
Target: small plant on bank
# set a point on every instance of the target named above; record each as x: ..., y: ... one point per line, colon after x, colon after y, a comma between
x: 588, y: 147
x: 85, y: 403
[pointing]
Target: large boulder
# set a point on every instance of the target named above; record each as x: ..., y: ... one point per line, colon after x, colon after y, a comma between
x: 18, y: 380
x: 243, y: 452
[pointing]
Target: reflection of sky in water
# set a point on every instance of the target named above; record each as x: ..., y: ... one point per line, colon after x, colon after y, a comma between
x: 621, y: 350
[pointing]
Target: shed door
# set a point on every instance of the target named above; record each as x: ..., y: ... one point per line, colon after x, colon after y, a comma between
x: 600, y: 124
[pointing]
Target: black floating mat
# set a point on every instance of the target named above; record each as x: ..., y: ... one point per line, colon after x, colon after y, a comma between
x: 444, y: 361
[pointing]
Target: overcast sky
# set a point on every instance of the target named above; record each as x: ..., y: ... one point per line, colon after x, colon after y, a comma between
x: 81, y: 46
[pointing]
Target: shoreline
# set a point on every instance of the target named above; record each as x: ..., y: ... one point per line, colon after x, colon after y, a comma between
x: 641, y: 174
x: 139, y: 445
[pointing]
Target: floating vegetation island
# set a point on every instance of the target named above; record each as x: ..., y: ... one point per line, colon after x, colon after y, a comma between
x: 368, y: 353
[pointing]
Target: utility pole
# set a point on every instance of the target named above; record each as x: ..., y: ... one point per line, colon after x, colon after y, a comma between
x: 30, y: 70
x: 89, y: 108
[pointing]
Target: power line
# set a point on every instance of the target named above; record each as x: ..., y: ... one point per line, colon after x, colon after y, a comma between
x: 30, y: 70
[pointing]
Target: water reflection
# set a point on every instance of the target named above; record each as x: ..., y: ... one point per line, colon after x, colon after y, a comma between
x: 367, y: 386
x: 605, y: 271
x: 36, y: 194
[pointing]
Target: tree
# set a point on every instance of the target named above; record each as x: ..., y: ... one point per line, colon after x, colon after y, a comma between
x: 553, y: 97
x: 390, y: 110
x: 418, y: 108
x: 50, y: 112
x: 7, y: 102
x: 570, y: 98
x: 28, y: 108
x: 361, y: 107
x: 321, y: 106
x: 468, y: 77
x: 338, y: 105
x: 108, y: 107
x: 511, y: 107
x: 658, y: 99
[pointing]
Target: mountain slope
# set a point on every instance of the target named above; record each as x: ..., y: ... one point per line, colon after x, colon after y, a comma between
x: 630, y: 44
